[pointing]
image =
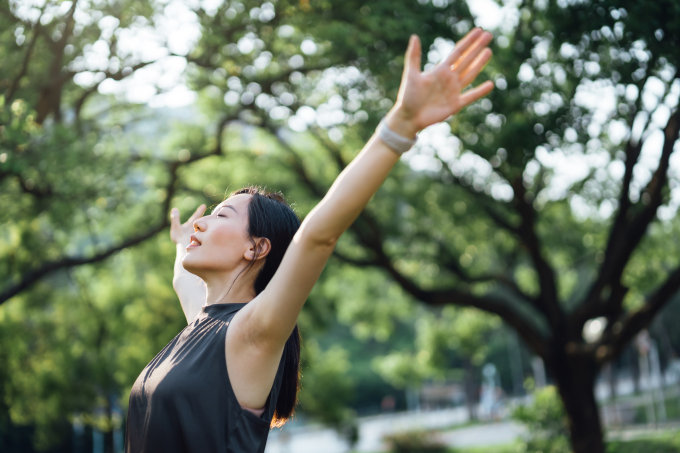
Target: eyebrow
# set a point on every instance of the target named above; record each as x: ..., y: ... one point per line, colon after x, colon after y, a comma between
x: 226, y: 206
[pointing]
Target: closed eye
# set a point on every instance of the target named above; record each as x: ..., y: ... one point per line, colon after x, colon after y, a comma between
x: 221, y: 210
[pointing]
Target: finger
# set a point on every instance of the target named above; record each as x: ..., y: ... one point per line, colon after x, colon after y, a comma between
x: 462, y: 46
x: 471, y: 95
x: 475, y: 49
x: 197, y: 213
x: 413, y: 55
x: 174, y: 217
x: 467, y: 76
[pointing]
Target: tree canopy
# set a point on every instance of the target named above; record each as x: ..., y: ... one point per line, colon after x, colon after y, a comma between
x: 549, y: 204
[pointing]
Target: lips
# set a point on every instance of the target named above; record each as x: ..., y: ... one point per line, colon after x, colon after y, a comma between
x: 194, y: 242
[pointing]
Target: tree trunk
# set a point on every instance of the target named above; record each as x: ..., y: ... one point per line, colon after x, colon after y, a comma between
x: 470, y: 384
x: 635, y: 369
x: 575, y: 379
x: 108, y: 441
x: 612, y: 380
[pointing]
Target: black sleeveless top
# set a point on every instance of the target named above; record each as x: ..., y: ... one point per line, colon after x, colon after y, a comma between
x: 183, y: 402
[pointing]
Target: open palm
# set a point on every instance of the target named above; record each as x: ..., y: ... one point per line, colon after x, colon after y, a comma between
x: 426, y: 98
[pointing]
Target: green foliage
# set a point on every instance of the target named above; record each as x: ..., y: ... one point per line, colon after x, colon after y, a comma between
x: 669, y: 443
x: 414, y: 442
x: 75, y: 353
x: 352, y: 287
x: 444, y: 342
x: 287, y: 92
x: 326, y: 385
x: 546, y: 422
x: 509, y: 448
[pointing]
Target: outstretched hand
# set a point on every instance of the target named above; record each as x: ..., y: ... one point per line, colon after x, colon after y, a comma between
x: 426, y: 98
x: 181, y: 233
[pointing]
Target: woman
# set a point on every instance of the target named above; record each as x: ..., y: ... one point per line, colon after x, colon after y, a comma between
x: 233, y: 370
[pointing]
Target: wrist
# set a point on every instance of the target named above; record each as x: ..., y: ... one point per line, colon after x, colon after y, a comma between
x: 396, y: 142
x: 401, y: 124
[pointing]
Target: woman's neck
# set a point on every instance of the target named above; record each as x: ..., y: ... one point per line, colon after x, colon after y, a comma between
x: 225, y: 289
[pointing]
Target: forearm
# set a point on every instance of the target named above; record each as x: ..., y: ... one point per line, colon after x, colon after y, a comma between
x: 350, y: 192
x: 190, y: 289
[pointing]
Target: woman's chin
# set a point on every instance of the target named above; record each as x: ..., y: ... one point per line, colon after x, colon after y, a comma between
x: 190, y: 266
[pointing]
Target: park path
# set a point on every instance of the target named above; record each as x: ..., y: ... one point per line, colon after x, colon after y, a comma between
x: 301, y: 438
x: 316, y: 439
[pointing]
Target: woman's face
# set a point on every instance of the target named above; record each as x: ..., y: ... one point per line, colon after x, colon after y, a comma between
x: 220, y: 241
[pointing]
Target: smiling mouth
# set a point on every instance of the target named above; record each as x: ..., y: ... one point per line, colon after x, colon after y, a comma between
x: 194, y: 242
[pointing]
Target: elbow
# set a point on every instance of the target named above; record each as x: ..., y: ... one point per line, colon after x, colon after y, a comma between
x: 311, y: 237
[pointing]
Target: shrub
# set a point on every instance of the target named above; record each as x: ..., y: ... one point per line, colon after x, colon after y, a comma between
x: 415, y: 442
x: 546, y: 423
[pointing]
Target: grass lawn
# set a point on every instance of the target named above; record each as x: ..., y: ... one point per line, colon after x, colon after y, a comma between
x: 509, y: 448
x: 664, y: 442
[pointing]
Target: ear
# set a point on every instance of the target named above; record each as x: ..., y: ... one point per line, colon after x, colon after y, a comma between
x: 259, y: 248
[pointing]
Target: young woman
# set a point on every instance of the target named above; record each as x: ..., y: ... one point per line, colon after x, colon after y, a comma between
x: 243, y: 273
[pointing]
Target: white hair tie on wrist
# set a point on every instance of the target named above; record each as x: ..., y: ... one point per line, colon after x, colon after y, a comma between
x: 398, y: 143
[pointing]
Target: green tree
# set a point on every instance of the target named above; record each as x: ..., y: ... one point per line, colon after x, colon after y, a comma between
x: 486, y: 220
x: 62, y: 163
x: 73, y: 351
x: 492, y: 221
x: 84, y: 176
x: 450, y: 343
x: 62, y: 160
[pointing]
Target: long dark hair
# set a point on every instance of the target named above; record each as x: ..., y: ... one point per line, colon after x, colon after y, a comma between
x: 269, y: 216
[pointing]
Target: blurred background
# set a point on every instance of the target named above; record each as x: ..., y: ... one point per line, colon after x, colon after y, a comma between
x: 513, y: 287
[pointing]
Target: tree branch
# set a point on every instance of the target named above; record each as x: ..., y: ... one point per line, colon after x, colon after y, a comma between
x: 118, y: 75
x: 296, y: 162
x: 49, y: 99
x: 33, y: 276
x: 359, y: 262
x: 450, y: 262
x: 38, y: 191
x: 489, y: 204
x: 369, y: 234
x: 547, y: 300
x: 332, y: 149
x: 503, y: 308
x: 624, y: 330
x: 606, y: 294
x: 27, y: 58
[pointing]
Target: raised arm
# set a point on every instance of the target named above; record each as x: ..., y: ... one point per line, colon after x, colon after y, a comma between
x: 424, y: 98
x: 190, y: 289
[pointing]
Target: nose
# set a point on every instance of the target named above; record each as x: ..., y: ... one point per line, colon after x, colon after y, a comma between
x: 199, y: 224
